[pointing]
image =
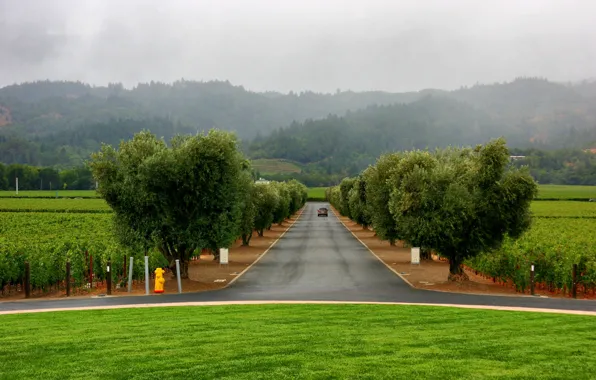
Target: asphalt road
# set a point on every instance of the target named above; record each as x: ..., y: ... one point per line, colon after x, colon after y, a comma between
x: 317, y: 260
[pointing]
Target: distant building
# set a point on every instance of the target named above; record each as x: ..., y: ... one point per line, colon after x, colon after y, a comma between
x: 262, y: 181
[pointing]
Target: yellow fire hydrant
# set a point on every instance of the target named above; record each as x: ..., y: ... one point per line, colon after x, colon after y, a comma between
x: 159, y: 280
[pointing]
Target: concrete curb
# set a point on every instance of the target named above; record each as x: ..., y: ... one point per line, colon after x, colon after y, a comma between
x: 230, y: 303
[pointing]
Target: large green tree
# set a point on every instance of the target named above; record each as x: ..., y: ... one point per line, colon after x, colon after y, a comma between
x: 357, y: 203
x: 179, y: 198
x: 462, y: 202
x: 266, y: 199
x: 378, y: 194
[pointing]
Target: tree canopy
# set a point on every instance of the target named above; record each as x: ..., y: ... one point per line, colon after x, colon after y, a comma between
x: 457, y: 202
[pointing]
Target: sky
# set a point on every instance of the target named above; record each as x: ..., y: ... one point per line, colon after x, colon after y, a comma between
x: 297, y: 45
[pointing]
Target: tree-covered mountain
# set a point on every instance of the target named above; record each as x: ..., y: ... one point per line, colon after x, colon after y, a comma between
x: 329, y: 135
x: 48, y: 107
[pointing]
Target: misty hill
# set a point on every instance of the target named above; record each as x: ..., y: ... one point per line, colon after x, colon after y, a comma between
x: 530, y: 113
x: 46, y: 107
x: 60, y: 123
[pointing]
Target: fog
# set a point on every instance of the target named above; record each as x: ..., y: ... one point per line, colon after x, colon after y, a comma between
x: 283, y: 45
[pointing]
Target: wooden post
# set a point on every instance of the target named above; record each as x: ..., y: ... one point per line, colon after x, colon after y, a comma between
x: 109, y: 277
x: 574, y: 286
x: 68, y: 278
x: 532, y: 280
x: 27, y: 280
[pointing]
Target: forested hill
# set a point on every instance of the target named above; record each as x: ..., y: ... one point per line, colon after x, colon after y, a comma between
x: 49, y: 107
x: 60, y: 123
x: 551, y: 116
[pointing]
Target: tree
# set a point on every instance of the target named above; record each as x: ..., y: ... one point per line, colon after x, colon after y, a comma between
x: 247, y: 220
x: 178, y: 199
x: 378, y: 194
x: 266, y: 199
x: 462, y: 202
x: 3, y: 177
x: 357, y: 203
x: 282, y: 211
x: 344, y: 191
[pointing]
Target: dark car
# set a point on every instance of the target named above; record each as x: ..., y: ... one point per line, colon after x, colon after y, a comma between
x: 322, y: 212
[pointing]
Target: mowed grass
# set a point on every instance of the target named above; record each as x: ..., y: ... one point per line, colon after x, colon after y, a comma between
x: 316, y: 192
x: 50, y: 193
x: 297, y: 342
x: 564, y: 209
x: 566, y: 191
x: 53, y: 204
x: 274, y: 166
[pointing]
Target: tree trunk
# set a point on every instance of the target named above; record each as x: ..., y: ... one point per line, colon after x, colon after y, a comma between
x: 246, y: 239
x: 260, y: 232
x: 425, y: 253
x: 456, y: 272
x: 392, y: 242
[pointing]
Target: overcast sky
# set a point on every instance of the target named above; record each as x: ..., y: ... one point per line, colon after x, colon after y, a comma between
x: 283, y: 45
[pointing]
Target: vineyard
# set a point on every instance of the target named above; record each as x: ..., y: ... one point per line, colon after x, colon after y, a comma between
x: 48, y: 240
x: 53, y: 205
x: 562, y: 235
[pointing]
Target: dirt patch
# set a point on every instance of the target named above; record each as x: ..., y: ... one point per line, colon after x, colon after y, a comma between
x: 204, y: 273
x: 432, y: 274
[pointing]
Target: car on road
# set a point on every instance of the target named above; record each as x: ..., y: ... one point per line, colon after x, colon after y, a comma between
x: 322, y: 212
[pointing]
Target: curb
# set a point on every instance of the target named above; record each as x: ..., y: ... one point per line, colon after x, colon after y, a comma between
x: 231, y: 303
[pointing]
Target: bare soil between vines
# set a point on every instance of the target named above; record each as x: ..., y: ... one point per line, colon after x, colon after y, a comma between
x: 432, y: 274
x: 204, y: 273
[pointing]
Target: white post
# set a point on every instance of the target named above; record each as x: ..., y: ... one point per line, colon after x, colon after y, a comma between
x: 223, y: 256
x: 130, y: 274
x: 178, y: 276
x: 415, y: 255
x: 17, y: 185
x: 146, y: 274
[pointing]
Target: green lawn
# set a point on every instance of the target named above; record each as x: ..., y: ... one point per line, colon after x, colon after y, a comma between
x: 566, y: 191
x: 316, y: 192
x: 296, y: 342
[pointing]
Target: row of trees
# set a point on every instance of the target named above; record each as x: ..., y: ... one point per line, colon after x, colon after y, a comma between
x: 45, y: 178
x: 197, y: 192
x: 457, y: 202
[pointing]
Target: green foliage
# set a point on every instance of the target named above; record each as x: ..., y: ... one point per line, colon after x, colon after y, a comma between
x: 181, y: 198
x: 344, y: 196
x: 357, y: 203
x: 462, y: 202
x: 48, y: 240
x: 553, y: 246
x: 266, y: 200
x: 378, y: 192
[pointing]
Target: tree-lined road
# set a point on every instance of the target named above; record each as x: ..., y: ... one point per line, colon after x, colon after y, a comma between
x: 318, y: 259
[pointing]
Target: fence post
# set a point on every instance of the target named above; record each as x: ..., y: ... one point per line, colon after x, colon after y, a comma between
x: 130, y: 268
x: 68, y: 278
x: 27, y: 280
x: 178, y: 276
x: 574, y: 286
x: 532, y: 280
x: 147, y: 275
x: 109, y: 277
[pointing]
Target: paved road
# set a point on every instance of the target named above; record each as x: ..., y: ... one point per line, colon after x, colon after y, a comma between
x: 317, y: 260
